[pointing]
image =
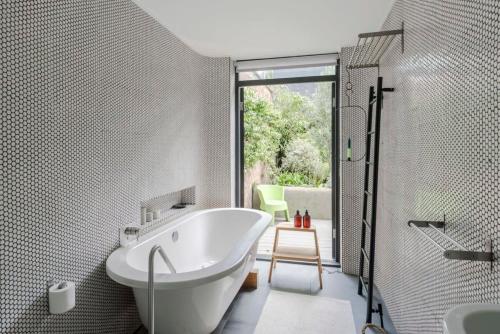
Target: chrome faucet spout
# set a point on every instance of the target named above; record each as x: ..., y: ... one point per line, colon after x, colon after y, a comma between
x: 151, y: 283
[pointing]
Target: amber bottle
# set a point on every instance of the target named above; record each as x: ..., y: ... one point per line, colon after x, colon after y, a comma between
x: 297, y: 220
x: 307, y: 220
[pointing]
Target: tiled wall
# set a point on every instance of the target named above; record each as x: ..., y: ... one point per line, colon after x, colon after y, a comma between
x: 353, y: 113
x: 439, y: 155
x: 102, y: 108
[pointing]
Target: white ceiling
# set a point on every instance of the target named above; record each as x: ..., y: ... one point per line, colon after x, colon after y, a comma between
x: 248, y: 29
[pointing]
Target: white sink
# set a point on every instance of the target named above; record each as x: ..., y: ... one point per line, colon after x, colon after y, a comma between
x: 473, y: 319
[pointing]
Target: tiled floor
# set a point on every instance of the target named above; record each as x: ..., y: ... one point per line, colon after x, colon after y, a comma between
x: 288, y: 238
x: 245, y: 311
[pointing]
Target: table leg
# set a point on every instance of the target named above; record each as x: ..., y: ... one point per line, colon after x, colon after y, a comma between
x: 320, y: 271
x: 276, y: 237
x: 320, y: 266
x: 271, y: 270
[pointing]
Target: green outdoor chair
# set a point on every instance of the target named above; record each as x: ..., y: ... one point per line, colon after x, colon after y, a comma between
x: 272, y: 199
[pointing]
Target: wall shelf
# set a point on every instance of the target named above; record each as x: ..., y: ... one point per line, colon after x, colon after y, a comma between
x: 372, y: 46
x: 452, y: 254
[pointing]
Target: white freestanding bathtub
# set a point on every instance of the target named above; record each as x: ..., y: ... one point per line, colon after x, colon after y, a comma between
x: 212, y: 252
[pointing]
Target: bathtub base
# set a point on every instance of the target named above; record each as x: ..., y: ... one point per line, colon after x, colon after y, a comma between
x: 196, y: 310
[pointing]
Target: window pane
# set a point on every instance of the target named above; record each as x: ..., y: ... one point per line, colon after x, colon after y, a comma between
x: 288, y: 73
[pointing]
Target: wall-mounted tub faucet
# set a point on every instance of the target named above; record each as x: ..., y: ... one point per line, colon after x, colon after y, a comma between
x: 127, y: 231
x: 132, y: 230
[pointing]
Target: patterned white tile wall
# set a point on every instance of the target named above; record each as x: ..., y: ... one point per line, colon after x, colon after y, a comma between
x: 216, y: 133
x: 439, y: 155
x: 353, y: 118
x: 102, y: 108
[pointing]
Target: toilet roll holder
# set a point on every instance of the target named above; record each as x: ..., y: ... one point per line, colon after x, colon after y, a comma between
x: 55, y: 304
x: 60, y: 284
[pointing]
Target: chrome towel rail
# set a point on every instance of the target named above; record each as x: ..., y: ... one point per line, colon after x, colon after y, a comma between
x: 151, y: 283
x: 372, y: 46
x: 411, y: 224
x: 453, y: 254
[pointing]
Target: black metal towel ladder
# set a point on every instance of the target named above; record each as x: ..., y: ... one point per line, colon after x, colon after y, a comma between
x: 372, y: 133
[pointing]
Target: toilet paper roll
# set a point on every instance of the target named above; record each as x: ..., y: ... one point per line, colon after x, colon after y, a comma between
x: 61, y: 297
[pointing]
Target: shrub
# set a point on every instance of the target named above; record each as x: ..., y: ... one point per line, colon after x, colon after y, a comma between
x: 303, y: 157
x: 292, y: 179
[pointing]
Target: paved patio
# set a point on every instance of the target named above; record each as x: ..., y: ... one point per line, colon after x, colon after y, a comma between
x: 324, y: 231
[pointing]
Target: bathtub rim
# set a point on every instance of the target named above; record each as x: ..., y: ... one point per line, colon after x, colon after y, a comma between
x: 118, y: 269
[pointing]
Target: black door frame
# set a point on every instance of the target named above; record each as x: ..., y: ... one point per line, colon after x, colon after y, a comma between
x: 240, y: 130
x: 336, y: 163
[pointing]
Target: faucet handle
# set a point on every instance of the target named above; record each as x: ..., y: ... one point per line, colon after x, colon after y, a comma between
x: 132, y: 230
x: 126, y: 232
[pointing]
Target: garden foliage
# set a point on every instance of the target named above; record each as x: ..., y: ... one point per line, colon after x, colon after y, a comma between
x: 290, y: 133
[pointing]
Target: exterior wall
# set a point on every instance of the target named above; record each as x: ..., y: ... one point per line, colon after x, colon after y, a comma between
x: 439, y: 155
x: 102, y: 108
x: 253, y: 176
x: 318, y: 201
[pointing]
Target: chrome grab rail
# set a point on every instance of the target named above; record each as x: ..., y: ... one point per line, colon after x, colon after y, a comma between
x: 411, y: 224
x: 447, y: 237
x: 151, y: 287
x: 452, y: 254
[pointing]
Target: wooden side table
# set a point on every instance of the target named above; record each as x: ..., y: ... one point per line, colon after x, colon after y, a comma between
x: 301, y: 254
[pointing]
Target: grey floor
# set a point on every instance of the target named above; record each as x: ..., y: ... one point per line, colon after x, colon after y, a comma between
x: 243, y: 315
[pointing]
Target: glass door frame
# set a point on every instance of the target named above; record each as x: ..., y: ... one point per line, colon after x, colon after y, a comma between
x: 335, y: 142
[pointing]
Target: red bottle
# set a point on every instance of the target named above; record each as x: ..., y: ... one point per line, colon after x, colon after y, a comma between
x: 307, y: 220
x: 297, y: 220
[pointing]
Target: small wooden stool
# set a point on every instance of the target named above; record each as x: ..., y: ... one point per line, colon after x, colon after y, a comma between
x: 301, y: 254
x: 252, y: 280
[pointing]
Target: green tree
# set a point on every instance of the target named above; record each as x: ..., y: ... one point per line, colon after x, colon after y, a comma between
x: 293, y: 122
x: 320, y: 118
x: 261, y: 135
